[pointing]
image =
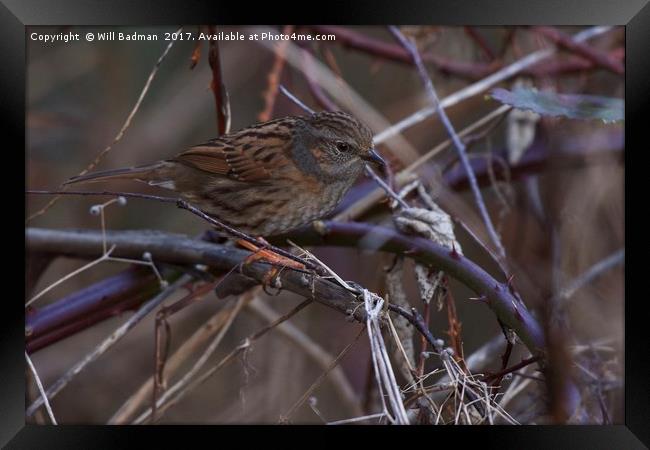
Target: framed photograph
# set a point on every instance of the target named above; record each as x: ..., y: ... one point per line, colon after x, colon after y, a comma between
x: 383, y: 215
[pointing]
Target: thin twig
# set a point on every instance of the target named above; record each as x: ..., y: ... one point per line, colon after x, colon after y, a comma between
x: 357, y: 419
x: 160, y: 357
x: 592, y: 273
x: 37, y: 379
x: 285, y: 417
x: 102, y: 258
x: 385, y: 187
x: 383, y: 369
x: 167, y: 401
x: 196, y: 53
x: 454, y: 331
x: 480, y: 40
x: 295, y: 99
x: 120, y: 133
x: 314, y: 351
x: 423, y: 341
x: 460, y: 147
x: 514, y: 368
x: 198, y: 365
x: 188, y: 348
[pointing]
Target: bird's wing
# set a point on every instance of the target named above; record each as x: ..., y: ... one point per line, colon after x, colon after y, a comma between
x: 246, y: 156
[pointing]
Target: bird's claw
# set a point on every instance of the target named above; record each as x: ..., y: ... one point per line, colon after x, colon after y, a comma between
x: 261, y: 254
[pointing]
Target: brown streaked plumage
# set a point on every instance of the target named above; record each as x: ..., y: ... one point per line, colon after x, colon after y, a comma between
x: 268, y: 178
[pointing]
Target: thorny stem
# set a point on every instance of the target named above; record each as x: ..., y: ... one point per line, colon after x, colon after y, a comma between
x: 514, y: 368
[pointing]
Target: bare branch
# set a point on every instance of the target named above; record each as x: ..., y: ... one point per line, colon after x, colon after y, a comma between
x: 179, y: 249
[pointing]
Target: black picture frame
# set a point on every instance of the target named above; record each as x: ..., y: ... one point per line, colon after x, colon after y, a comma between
x: 16, y: 14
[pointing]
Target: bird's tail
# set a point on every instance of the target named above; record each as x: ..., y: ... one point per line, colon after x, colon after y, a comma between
x: 148, y: 174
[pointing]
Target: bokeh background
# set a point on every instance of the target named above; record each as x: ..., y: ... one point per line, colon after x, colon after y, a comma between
x: 556, y: 222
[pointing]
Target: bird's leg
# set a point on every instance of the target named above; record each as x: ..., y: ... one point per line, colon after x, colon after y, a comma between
x: 260, y: 253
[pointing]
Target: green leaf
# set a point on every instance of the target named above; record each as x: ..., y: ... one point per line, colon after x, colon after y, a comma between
x: 573, y: 106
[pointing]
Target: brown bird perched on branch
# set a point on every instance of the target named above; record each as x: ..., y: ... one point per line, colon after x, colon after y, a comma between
x: 268, y: 178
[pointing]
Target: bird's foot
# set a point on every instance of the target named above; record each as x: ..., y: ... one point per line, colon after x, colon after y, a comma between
x: 262, y: 254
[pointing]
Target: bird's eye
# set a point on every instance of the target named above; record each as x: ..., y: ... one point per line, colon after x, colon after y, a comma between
x: 342, y: 147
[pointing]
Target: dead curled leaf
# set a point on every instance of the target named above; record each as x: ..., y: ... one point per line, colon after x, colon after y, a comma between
x: 431, y: 223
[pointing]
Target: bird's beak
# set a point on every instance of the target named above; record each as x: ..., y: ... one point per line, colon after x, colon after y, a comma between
x: 374, y: 157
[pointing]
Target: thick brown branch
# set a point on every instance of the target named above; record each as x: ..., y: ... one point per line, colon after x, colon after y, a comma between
x: 179, y: 249
x: 182, y: 250
x: 180, y: 203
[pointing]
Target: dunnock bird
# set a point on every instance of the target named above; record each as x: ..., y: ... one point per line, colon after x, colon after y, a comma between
x: 268, y: 178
